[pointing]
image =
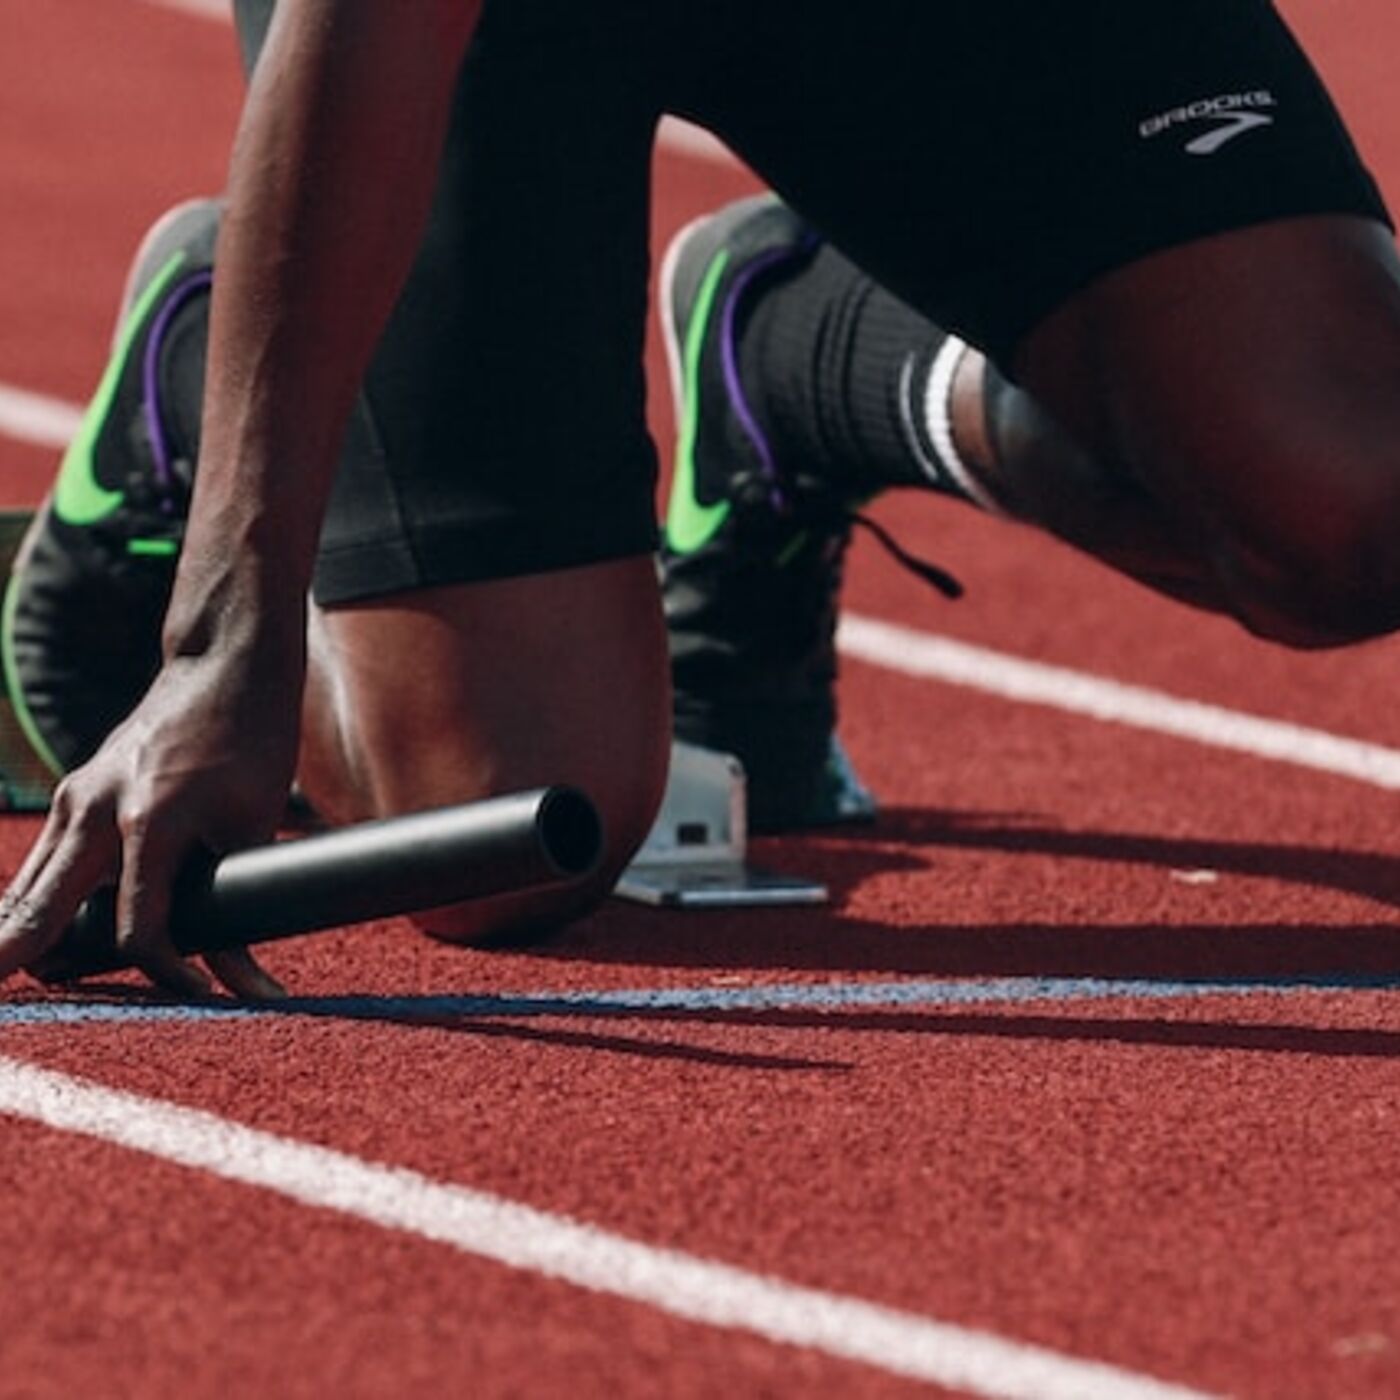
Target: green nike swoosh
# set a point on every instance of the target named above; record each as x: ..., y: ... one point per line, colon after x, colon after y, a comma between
x: 689, y: 523
x: 78, y: 497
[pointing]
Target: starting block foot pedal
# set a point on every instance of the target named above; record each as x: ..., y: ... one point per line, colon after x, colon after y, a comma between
x: 695, y: 856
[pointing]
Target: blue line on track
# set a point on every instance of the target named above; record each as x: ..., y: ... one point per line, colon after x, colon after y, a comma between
x: 818, y: 996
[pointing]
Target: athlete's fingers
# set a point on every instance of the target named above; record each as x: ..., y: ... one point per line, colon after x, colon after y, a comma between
x: 22, y: 936
x: 55, y: 824
x: 239, y: 971
x: 83, y: 860
x: 167, y: 969
x: 150, y: 862
x: 39, y: 854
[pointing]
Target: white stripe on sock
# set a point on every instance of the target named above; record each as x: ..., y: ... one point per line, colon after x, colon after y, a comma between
x: 938, y: 420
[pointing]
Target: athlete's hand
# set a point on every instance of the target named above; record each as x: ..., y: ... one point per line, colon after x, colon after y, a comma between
x: 205, y: 761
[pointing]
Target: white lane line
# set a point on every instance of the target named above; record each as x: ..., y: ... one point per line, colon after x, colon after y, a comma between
x: 36, y: 418
x: 519, y: 1237
x: 930, y: 657
x: 677, y: 136
x: 206, y: 9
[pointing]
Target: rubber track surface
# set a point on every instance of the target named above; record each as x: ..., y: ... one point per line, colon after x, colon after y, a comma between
x: 1195, y: 1185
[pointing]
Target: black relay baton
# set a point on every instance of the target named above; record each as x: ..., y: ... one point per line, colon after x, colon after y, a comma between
x: 375, y: 870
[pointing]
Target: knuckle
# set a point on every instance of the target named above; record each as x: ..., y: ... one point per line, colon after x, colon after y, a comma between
x: 137, y: 928
x: 66, y: 799
x: 77, y: 804
x: 19, y: 913
x: 136, y: 818
x: 139, y: 935
x: 132, y: 938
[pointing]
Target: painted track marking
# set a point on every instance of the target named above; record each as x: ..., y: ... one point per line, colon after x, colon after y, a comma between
x: 632, y: 1002
x: 931, y: 657
x: 682, y: 1285
x: 36, y: 418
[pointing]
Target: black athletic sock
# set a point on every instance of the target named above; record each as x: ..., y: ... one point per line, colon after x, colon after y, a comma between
x: 839, y: 370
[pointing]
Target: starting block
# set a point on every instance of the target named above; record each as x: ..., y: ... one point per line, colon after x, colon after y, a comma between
x: 696, y: 854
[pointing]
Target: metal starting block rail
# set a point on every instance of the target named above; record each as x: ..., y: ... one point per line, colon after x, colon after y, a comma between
x: 696, y: 854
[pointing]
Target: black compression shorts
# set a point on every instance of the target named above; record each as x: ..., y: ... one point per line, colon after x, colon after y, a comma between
x: 983, y: 160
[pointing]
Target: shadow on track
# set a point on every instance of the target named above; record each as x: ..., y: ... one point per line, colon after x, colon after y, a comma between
x: 908, y: 840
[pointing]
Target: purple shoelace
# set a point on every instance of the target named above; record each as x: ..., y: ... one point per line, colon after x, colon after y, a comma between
x: 184, y: 291
x: 729, y: 360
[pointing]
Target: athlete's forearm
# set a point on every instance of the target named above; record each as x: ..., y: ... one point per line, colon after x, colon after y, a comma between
x: 329, y: 188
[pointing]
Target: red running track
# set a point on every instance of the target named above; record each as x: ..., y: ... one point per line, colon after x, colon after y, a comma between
x: 1194, y: 1188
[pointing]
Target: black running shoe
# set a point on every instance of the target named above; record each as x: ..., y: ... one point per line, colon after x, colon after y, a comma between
x: 89, y: 588
x: 752, y: 558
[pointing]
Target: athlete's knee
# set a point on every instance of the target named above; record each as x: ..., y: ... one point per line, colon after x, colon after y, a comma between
x: 626, y: 799
x: 470, y: 691
x: 1323, y: 569
x: 627, y: 804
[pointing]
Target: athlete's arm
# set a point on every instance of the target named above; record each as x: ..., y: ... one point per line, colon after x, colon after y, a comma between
x: 328, y: 192
x: 329, y: 188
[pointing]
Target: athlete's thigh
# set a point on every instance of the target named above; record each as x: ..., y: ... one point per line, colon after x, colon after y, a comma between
x: 988, y: 161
